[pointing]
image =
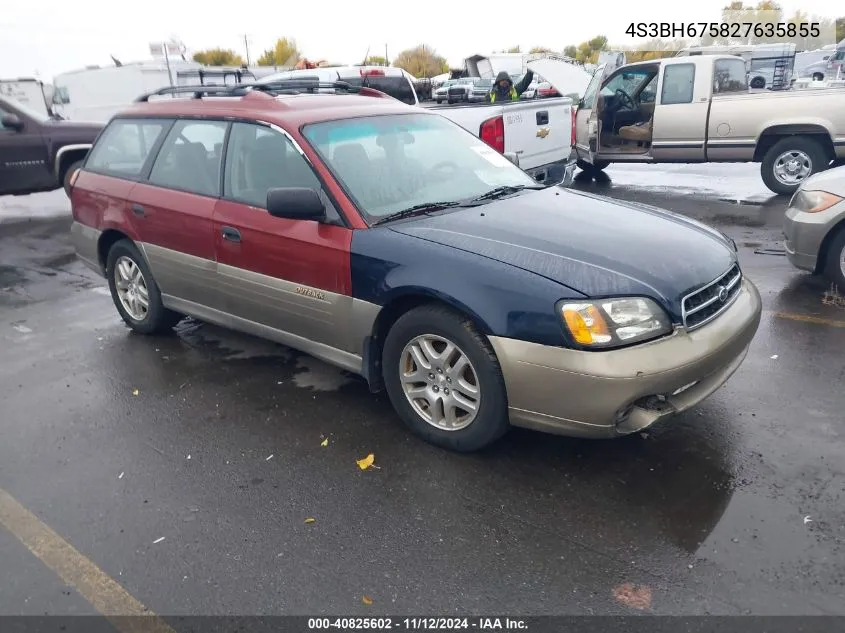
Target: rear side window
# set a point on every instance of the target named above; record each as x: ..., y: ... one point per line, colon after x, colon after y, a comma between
x: 729, y: 75
x: 258, y: 159
x: 125, y: 145
x: 678, y: 81
x: 189, y: 159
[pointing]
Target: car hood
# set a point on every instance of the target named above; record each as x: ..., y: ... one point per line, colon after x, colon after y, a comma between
x: 563, y: 77
x: 590, y: 244
x: 830, y: 180
x: 72, y: 131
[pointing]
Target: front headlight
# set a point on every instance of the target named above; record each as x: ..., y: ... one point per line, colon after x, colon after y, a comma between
x: 603, y: 323
x: 813, y: 201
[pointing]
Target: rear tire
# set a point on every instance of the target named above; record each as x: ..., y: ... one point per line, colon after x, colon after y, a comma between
x: 469, y: 376
x: 69, y: 172
x: 835, y: 265
x: 807, y: 155
x: 132, y: 284
x: 592, y: 168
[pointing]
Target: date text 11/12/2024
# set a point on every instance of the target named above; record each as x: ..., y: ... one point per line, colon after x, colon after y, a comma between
x: 418, y: 624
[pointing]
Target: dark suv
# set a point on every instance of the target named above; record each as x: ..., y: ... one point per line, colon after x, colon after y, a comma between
x: 38, y: 153
x: 476, y: 297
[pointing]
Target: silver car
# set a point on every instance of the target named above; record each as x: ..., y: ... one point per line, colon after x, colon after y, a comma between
x: 814, y: 226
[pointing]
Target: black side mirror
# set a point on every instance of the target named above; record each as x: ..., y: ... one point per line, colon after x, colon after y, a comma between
x: 12, y: 122
x: 296, y: 203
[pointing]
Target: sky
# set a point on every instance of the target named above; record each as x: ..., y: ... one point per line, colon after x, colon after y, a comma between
x: 49, y: 37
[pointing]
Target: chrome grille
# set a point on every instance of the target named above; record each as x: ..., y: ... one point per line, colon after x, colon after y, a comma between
x: 705, y: 304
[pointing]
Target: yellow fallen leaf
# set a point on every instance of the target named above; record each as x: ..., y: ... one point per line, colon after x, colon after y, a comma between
x: 366, y: 600
x: 365, y: 463
x: 135, y: 392
x: 634, y: 596
x: 310, y: 520
x: 325, y: 442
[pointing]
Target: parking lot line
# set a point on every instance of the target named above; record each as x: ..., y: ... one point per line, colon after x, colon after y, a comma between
x: 807, y: 318
x: 92, y: 583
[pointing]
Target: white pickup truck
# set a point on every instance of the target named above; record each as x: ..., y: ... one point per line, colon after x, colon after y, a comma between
x: 538, y: 133
x: 699, y: 109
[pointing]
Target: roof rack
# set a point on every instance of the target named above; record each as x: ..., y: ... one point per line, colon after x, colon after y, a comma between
x: 296, y: 85
x: 281, y: 86
x: 198, y: 91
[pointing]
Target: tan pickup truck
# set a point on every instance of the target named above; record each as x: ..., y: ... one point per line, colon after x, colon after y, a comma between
x: 699, y: 109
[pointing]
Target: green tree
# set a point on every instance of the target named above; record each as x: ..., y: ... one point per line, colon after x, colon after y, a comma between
x: 541, y: 49
x: 738, y: 15
x: 840, y: 29
x: 512, y: 49
x: 218, y: 57
x: 284, y: 53
x: 587, y: 52
x: 376, y: 60
x: 654, y: 49
x: 421, y: 61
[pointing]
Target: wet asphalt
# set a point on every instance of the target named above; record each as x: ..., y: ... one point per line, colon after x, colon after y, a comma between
x: 212, y: 440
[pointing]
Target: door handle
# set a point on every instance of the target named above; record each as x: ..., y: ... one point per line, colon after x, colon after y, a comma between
x: 233, y: 235
x: 137, y: 209
x: 543, y: 118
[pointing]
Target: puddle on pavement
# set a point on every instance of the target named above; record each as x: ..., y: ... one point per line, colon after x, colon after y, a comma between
x: 319, y: 376
x: 229, y: 344
x: 10, y: 276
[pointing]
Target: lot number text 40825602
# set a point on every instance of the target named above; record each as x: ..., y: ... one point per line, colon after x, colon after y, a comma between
x: 417, y: 624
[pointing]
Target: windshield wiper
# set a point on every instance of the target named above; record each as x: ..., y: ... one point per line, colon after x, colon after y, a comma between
x: 418, y: 209
x: 505, y: 190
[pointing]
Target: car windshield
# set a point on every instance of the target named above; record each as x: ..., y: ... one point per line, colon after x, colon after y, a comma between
x: 483, y: 83
x: 390, y: 163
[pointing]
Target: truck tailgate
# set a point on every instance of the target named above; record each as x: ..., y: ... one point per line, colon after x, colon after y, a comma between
x: 539, y: 131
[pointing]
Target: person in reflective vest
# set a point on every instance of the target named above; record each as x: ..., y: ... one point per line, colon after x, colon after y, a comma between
x: 504, y: 90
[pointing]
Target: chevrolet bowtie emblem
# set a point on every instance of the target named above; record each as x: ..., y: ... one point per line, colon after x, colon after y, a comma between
x: 543, y: 132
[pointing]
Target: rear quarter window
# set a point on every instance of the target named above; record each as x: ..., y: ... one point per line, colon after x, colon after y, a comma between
x: 124, y: 146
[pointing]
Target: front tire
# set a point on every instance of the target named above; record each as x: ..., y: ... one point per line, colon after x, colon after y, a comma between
x: 790, y: 161
x: 835, y: 264
x: 444, y: 379
x: 134, y: 291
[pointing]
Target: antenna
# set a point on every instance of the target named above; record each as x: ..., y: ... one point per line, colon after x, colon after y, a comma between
x: 366, y: 57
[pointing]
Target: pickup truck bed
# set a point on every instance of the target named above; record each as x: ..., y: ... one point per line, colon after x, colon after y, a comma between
x: 540, y: 133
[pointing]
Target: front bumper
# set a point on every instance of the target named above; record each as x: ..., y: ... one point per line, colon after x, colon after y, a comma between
x: 804, y: 233
x: 617, y: 392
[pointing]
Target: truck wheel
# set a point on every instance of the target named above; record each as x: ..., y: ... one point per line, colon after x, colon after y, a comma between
x: 69, y: 174
x: 592, y: 168
x: 444, y: 379
x: 818, y: 76
x: 790, y: 161
x: 134, y: 291
x: 835, y: 265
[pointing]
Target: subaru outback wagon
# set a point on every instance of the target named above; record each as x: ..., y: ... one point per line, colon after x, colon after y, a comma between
x: 478, y: 299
